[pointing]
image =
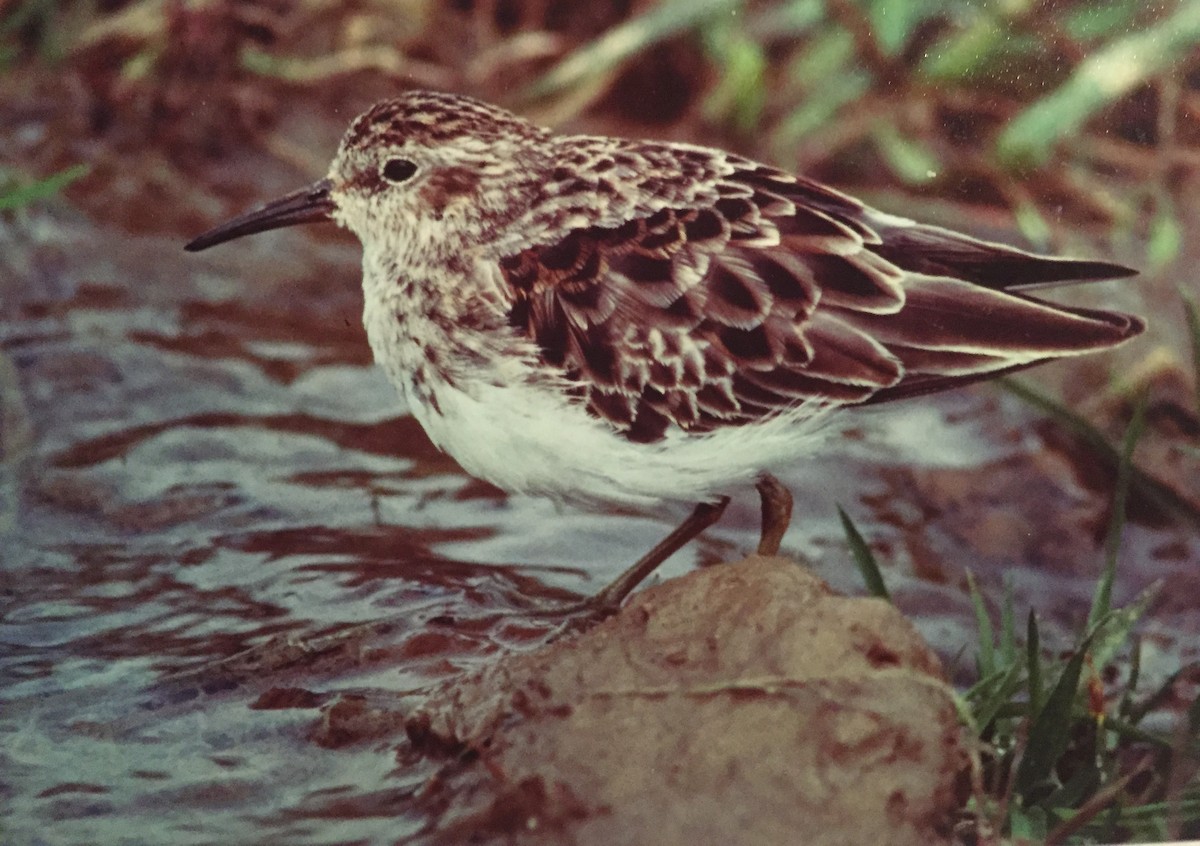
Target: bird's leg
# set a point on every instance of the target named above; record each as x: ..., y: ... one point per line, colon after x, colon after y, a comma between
x: 776, y: 513
x: 608, y: 600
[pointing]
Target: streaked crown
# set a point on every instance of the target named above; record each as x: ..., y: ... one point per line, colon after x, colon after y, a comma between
x: 425, y: 160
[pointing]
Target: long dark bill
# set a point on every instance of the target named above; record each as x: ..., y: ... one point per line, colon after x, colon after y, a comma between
x: 308, y: 205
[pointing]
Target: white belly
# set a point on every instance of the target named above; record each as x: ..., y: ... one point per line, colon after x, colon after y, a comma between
x: 526, y: 440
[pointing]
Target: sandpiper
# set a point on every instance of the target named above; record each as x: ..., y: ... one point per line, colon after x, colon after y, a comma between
x: 605, y: 320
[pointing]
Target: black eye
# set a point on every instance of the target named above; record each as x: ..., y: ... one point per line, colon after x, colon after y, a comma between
x: 398, y: 170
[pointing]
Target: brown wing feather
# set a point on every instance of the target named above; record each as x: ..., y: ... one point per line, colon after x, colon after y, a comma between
x: 779, y: 292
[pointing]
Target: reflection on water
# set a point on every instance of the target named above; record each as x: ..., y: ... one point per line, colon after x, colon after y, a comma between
x: 211, y: 501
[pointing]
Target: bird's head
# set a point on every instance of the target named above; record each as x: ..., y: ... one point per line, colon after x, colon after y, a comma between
x: 420, y: 168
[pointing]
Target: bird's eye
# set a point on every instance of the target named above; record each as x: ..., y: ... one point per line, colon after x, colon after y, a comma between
x: 398, y: 170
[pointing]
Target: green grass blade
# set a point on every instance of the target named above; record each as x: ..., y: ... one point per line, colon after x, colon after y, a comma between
x: 1029, y: 825
x: 1125, y: 706
x: 1077, y: 425
x: 893, y: 24
x: 1142, y: 486
x: 907, y: 157
x: 23, y: 195
x: 1165, y: 239
x: 1114, y: 629
x: 1032, y: 223
x: 1102, y: 598
x: 1192, y: 312
x: 867, y: 565
x: 1130, y: 733
x: 993, y: 695
x: 818, y: 112
x: 987, y: 638
x: 740, y: 95
x: 1160, y: 695
x: 1050, y: 730
x: 1008, y: 626
x: 1090, y: 21
x: 1187, y: 808
x: 1033, y: 663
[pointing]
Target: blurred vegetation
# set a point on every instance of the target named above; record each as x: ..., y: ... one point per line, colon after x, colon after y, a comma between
x: 1077, y: 121
x: 16, y: 192
x: 1069, y: 114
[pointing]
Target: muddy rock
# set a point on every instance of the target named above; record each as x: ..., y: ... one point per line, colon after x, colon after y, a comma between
x: 744, y: 703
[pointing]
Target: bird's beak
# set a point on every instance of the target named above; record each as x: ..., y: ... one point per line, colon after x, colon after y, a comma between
x: 308, y: 205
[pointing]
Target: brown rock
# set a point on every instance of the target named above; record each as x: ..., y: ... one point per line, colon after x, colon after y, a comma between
x: 743, y: 703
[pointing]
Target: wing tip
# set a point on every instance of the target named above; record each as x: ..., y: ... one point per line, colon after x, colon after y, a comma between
x: 1088, y: 270
x: 1126, y: 326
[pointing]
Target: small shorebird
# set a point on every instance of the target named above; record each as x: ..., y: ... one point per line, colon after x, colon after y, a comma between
x: 611, y: 321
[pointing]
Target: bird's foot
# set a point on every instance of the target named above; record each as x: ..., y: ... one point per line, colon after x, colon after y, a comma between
x: 606, y: 602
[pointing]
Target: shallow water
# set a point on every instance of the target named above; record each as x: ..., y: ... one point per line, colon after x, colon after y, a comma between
x: 199, y: 458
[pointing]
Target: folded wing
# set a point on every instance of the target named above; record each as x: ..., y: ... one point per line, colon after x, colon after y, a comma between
x: 781, y: 291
